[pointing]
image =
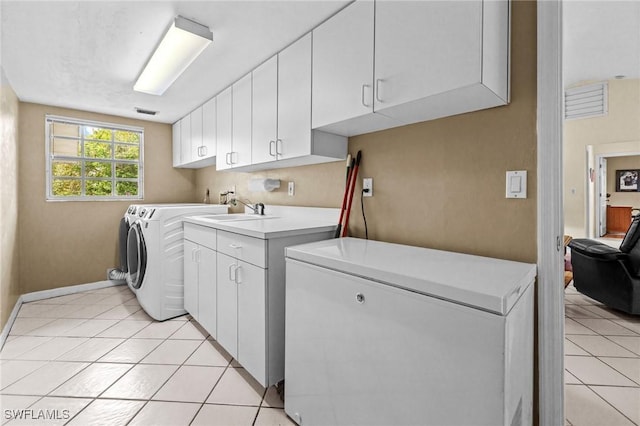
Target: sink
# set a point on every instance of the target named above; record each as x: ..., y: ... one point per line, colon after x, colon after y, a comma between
x: 232, y: 217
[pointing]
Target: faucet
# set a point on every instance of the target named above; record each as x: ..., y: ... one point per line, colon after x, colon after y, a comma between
x: 257, y: 208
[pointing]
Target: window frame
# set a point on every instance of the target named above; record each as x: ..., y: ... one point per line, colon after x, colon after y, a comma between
x: 50, y: 120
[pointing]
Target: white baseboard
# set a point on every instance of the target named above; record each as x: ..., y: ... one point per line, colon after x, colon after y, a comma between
x: 48, y: 294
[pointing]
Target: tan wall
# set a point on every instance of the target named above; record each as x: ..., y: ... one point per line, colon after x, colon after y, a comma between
x: 631, y: 199
x: 9, y: 243
x: 440, y: 183
x: 618, y: 131
x: 67, y: 243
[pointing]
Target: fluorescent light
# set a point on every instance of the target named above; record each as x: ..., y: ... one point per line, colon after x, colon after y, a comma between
x: 179, y: 47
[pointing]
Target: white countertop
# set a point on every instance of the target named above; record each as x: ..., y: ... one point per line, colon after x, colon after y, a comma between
x: 280, y: 221
x: 485, y: 283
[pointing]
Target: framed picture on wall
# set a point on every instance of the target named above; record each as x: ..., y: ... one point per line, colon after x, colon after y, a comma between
x: 627, y: 180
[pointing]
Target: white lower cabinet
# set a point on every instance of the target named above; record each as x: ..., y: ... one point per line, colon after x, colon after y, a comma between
x: 234, y: 287
x: 200, y: 292
x: 241, y: 329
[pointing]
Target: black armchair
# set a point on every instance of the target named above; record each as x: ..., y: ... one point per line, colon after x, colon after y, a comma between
x: 609, y: 275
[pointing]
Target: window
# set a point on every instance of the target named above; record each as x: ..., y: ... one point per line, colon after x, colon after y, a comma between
x: 93, y: 161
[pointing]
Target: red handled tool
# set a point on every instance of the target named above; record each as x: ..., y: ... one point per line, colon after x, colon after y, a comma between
x: 350, y: 165
x: 352, y: 186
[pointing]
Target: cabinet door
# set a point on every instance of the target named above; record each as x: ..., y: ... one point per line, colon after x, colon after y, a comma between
x: 241, y: 152
x: 207, y: 295
x: 251, y: 320
x: 196, y: 133
x: 265, y: 112
x: 227, y: 303
x: 425, y: 47
x: 223, y: 129
x: 343, y: 65
x: 176, y: 144
x: 185, y: 140
x: 294, y: 99
x: 191, y: 278
x: 208, y: 129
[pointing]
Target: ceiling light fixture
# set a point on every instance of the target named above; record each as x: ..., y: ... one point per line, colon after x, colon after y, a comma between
x: 179, y: 47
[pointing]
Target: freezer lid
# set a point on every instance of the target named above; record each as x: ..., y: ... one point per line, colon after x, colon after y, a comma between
x: 484, y: 283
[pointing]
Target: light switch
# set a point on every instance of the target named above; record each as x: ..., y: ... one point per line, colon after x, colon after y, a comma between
x: 517, y: 184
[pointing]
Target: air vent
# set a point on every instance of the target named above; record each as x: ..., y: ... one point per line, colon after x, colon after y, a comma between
x: 145, y: 111
x: 586, y: 101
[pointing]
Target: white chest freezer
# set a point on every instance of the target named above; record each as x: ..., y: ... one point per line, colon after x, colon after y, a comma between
x: 385, y: 334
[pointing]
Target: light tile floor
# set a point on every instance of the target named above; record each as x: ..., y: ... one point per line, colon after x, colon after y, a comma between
x: 96, y: 358
x: 602, y: 363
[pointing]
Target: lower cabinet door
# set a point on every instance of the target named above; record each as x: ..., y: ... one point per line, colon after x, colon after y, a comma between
x: 191, y: 279
x: 252, y: 320
x: 207, y: 290
x: 227, y: 321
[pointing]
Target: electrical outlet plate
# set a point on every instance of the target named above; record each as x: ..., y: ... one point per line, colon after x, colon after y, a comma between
x: 367, y: 183
x: 291, y: 189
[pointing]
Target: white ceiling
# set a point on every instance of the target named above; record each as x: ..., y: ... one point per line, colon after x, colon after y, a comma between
x: 87, y: 54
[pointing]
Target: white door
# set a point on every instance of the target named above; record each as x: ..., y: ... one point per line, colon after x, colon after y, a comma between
x: 209, y: 129
x: 265, y: 112
x: 227, y: 303
x: 176, y: 144
x: 294, y: 99
x: 207, y: 294
x: 223, y: 129
x: 343, y: 65
x: 425, y: 47
x: 191, y: 279
x: 185, y: 140
x: 251, y: 320
x: 602, y: 196
x: 241, y: 119
x: 196, y: 133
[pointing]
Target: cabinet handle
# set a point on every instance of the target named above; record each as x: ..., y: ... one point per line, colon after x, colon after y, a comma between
x: 235, y: 274
x: 364, y: 102
x: 226, y: 158
x: 378, y: 81
x: 231, y: 278
x: 271, y: 145
x: 360, y: 298
x: 235, y: 246
x: 193, y: 254
x: 278, y: 151
x: 204, y: 150
x: 231, y: 156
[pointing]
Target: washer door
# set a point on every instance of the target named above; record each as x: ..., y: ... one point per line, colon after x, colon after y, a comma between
x: 136, y: 256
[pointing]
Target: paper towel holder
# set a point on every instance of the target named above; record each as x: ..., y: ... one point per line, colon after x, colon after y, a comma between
x: 263, y: 184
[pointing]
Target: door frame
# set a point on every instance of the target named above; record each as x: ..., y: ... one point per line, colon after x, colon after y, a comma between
x: 550, y: 221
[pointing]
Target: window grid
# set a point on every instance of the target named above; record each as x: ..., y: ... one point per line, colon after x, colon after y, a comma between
x: 83, y: 158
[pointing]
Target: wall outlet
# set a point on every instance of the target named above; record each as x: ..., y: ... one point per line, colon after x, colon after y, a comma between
x: 291, y: 189
x: 367, y: 183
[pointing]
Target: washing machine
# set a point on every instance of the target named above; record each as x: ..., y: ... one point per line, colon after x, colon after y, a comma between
x: 154, y: 252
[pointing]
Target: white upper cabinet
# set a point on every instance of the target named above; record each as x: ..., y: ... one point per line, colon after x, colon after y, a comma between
x: 234, y: 125
x: 265, y: 112
x: 185, y: 140
x: 241, y: 119
x: 294, y: 100
x: 176, y: 144
x: 196, y: 133
x: 194, y: 138
x: 208, y: 148
x: 343, y: 65
x: 223, y: 129
x: 431, y: 59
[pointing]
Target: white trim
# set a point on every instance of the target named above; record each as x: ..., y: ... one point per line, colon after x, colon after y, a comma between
x: 550, y: 215
x: 48, y: 294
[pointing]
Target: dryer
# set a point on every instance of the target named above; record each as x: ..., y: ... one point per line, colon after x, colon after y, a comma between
x: 155, y: 255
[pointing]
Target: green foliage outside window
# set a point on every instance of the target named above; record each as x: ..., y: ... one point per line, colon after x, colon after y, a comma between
x: 110, y: 168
